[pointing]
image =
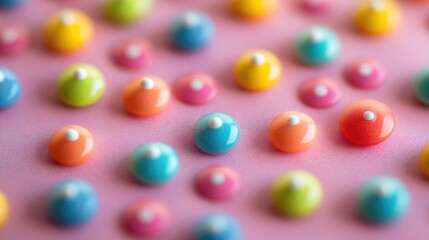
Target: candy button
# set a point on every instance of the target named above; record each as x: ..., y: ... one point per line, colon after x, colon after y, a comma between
x: 80, y: 85
x: 218, y: 183
x: 316, y: 6
x: 11, y: 3
x: 377, y: 17
x: 146, y: 218
x: 192, y: 30
x: 365, y: 74
x: 10, y: 88
x: 154, y: 163
x: 296, y: 193
x: 127, y: 11
x: 13, y: 39
x: 317, y: 46
x: 366, y: 122
x: 67, y: 31
x: 146, y: 96
x: 320, y: 92
x: 134, y: 53
x: 383, y: 199
x: 196, y: 88
x: 254, y: 9
x: 421, y: 86
x: 71, y: 145
x: 4, y: 209
x: 292, y: 132
x: 216, y: 133
x: 424, y: 160
x: 257, y: 70
x: 217, y: 226
x: 72, y: 202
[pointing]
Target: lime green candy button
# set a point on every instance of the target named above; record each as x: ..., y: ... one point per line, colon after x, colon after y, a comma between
x: 127, y: 11
x: 80, y: 85
x: 296, y: 194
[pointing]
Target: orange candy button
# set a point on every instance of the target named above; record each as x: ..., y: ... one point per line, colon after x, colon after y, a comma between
x: 292, y: 132
x: 146, y: 96
x: 71, y: 145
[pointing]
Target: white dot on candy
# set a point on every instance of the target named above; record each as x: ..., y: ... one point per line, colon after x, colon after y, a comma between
x: 67, y: 18
x: 316, y: 35
x: 293, y: 120
x: 153, y: 152
x: 369, y: 116
x: 296, y: 182
x: 146, y: 215
x: 191, y: 18
x: 215, y: 122
x: 383, y: 189
x: 365, y: 70
x: 216, y: 225
x: 69, y: 191
x: 258, y: 59
x: 196, y: 85
x: 80, y: 74
x: 377, y: 5
x: 2, y: 77
x: 71, y: 134
x: 217, y: 178
x: 321, y: 91
x: 147, y: 83
x: 133, y: 51
x: 9, y: 36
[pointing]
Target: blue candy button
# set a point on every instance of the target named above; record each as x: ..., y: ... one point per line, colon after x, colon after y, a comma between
x: 421, y: 86
x: 10, y: 3
x: 317, y: 46
x: 192, y: 30
x: 383, y: 199
x: 216, y: 133
x: 10, y: 88
x: 217, y: 226
x: 154, y: 163
x: 72, y: 202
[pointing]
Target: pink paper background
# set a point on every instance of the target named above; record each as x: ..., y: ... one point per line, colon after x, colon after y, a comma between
x: 27, y: 173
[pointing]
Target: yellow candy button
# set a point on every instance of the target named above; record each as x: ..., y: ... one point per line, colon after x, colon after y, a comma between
x: 297, y: 193
x: 67, y: 31
x: 257, y: 70
x: 254, y: 9
x: 377, y: 17
x: 4, y: 209
x: 424, y: 160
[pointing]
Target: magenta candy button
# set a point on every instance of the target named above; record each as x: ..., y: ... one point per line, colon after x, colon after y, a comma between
x: 146, y: 218
x: 218, y: 183
x: 13, y: 39
x: 316, y: 6
x: 134, y: 53
x: 365, y: 74
x: 320, y: 92
x: 196, y: 88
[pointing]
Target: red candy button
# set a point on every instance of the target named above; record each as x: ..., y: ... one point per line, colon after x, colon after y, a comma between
x: 13, y: 39
x: 366, y: 122
x: 218, y: 183
x: 196, y: 88
x: 146, y: 218
x: 316, y: 6
x: 320, y: 92
x: 134, y: 53
x: 365, y: 74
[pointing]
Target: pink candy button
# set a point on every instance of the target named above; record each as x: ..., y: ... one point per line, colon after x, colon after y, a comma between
x: 196, y: 88
x: 146, y: 218
x: 320, y: 92
x: 134, y: 53
x: 316, y: 6
x: 218, y: 183
x: 365, y: 74
x: 13, y: 39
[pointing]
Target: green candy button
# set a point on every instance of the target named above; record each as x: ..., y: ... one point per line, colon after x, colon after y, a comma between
x: 296, y: 194
x: 80, y: 85
x: 127, y: 11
